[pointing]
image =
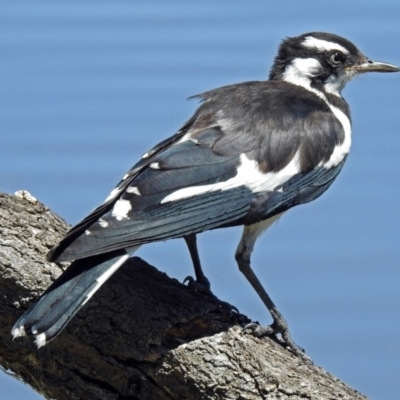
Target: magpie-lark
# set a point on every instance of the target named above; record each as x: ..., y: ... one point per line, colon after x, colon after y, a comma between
x: 250, y: 152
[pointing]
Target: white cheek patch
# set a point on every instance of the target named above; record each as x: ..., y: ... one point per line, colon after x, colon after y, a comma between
x: 322, y: 45
x: 301, y: 70
x: 121, y: 209
x: 248, y: 174
x: 335, y: 84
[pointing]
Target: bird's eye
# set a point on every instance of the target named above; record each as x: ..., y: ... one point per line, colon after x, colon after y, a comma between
x: 336, y: 58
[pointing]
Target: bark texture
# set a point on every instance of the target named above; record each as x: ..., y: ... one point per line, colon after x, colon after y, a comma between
x: 143, y: 336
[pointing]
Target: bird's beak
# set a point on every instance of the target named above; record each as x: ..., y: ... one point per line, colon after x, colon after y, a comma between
x: 374, y: 66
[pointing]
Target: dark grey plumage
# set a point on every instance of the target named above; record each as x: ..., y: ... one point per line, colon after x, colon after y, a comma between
x: 249, y: 153
x: 212, y: 156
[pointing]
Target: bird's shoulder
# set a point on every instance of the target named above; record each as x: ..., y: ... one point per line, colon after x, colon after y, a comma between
x: 265, y: 95
x: 269, y: 121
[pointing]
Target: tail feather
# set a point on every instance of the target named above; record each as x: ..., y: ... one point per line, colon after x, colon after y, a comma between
x: 58, y: 317
x: 67, y: 295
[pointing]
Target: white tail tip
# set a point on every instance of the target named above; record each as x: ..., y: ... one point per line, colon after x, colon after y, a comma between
x: 17, y: 332
x: 40, y: 340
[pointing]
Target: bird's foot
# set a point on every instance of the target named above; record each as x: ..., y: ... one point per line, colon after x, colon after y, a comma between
x: 280, y: 331
x: 198, y: 285
x: 203, y: 286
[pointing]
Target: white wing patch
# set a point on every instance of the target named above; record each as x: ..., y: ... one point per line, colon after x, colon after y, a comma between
x: 323, y: 45
x: 134, y: 190
x: 103, y: 223
x: 248, y: 174
x: 121, y: 209
x: 114, y: 193
x: 155, y: 165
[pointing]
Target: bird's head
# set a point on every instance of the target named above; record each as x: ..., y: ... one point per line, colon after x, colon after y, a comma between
x: 322, y: 61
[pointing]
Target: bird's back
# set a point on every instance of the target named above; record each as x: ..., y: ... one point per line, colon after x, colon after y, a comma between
x: 246, y: 154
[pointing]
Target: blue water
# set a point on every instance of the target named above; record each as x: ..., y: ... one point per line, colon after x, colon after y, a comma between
x: 86, y: 88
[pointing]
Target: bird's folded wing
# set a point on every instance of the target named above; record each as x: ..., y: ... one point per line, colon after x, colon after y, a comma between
x: 145, y: 211
x: 222, y: 168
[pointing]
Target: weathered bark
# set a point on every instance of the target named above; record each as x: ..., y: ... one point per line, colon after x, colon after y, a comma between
x: 143, y: 336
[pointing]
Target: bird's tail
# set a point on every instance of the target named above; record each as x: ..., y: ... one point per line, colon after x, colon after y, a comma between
x: 67, y: 295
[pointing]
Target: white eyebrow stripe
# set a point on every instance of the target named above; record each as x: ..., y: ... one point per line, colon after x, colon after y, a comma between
x: 322, y: 45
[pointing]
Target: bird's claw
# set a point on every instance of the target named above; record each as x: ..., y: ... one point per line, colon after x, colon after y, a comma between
x: 276, y: 329
x: 202, y: 286
x: 227, y: 305
x: 258, y: 330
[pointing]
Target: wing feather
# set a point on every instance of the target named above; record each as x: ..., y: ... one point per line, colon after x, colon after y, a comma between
x: 233, y: 121
x: 169, y: 220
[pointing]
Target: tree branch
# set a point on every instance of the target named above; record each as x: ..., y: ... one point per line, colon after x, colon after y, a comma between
x: 143, y: 336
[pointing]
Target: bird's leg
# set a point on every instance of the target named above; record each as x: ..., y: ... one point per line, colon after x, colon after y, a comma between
x: 279, y: 325
x: 201, y: 284
x: 242, y: 255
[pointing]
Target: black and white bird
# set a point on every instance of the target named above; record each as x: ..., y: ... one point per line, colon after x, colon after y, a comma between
x: 250, y: 152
